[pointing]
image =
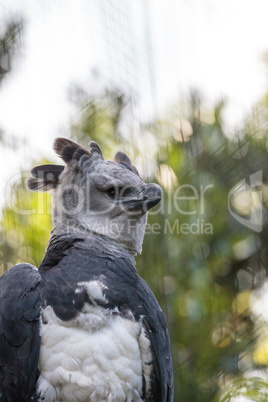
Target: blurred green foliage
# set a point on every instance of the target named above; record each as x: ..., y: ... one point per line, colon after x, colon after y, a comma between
x: 10, y: 40
x: 202, y: 264
x: 10, y: 43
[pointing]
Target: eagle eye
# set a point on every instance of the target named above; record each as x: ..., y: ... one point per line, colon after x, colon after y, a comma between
x: 112, y: 192
x: 118, y: 192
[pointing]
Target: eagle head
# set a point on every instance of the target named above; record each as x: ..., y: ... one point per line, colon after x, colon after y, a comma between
x: 93, y: 195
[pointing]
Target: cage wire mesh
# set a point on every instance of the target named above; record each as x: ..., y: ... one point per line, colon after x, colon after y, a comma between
x: 210, y: 275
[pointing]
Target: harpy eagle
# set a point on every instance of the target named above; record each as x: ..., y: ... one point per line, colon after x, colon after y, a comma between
x: 84, y: 326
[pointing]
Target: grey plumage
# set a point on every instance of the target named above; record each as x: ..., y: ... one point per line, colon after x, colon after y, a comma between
x: 87, y: 280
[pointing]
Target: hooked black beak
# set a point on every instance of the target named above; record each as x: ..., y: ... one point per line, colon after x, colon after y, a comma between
x: 150, y: 196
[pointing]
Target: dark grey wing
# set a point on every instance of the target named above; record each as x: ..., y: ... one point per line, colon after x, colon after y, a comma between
x: 154, y: 323
x: 19, y: 332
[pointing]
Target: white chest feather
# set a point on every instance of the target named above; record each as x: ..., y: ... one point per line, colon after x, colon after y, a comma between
x: 96, y: 357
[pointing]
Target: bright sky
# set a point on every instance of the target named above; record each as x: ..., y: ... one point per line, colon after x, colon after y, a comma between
x: 158, y: 49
